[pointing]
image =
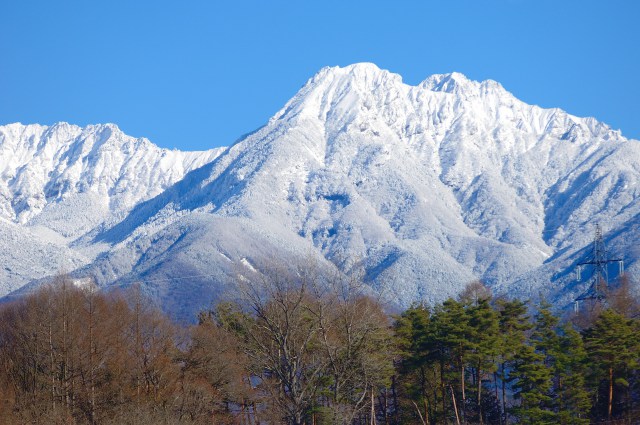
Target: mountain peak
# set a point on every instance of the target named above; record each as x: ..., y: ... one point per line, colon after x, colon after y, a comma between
x: 456, y: 82
x: 363, y: 67
x: 452, y: 82
x: 359, y: 73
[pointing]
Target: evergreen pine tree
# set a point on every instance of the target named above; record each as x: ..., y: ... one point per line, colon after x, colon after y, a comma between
x: 545, y: 337
x: 532, y: 386
x: 533, y: 371
x: 484, y: 339
x: 613, y: 348
x: 513, y: 324
x: 417, y: 370
x: 451, y: 337
x: 564, y: 356
x: 571, y: 397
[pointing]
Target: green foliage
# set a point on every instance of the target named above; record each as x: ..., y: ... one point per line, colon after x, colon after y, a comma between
x: 417, y: 368
x: 572, y: 399
x: 501, y: 365
x: 613, y: 344
x: 532, y: 385
x: 513, y: 323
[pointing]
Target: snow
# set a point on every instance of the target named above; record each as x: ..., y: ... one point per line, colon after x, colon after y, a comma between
x: 59, y: 183
x: 421, y: 188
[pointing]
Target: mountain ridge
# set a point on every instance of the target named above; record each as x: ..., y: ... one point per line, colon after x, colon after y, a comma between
x: 424, y: 188
x: 59, y: 182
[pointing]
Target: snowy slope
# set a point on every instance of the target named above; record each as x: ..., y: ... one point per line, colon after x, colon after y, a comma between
x: 61, y: 182
x: 30, y: 253
x: 47, y: 171
x: 424, y: 187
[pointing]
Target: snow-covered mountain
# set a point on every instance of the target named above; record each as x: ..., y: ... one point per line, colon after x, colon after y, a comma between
x: 424, y: 187
x: 62, y: 182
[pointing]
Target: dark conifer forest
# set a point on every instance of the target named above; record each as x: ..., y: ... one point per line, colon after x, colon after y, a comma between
x: 289, y: 350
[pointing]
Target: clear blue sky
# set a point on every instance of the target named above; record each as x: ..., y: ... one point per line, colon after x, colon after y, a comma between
x: 197, y: 74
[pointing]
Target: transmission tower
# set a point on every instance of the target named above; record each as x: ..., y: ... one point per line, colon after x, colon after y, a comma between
x: 597, y: 291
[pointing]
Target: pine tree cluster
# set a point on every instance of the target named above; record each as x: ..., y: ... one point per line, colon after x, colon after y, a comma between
x: 479, y: 360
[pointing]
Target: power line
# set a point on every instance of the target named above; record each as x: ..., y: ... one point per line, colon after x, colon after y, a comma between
x: 599, y: 261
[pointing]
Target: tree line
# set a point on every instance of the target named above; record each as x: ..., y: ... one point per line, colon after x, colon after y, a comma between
x: 296, y: 350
